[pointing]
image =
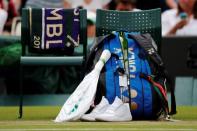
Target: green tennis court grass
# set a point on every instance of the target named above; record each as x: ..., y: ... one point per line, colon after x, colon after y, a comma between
x: 40, y: 119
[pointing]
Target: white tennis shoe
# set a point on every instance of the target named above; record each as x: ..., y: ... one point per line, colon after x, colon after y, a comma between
x: 99, y: 109
x: 117, y: 111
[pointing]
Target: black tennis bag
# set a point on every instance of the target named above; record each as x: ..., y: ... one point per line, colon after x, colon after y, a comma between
x: 135, y: 60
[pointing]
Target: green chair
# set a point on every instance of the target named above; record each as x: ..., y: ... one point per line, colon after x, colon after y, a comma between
x: 29, y: 58
x: 145, y: 21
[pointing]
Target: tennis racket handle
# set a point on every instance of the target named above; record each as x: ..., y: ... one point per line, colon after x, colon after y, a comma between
x: 106, y: 54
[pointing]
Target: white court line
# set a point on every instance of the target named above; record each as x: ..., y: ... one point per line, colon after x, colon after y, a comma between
x: 82, y: 124
x: 96, y: 129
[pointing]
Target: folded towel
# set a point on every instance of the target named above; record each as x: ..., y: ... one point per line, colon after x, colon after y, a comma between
x: 54, y: 29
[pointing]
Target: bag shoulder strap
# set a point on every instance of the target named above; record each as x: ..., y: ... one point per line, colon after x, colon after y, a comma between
x: 146, y: 42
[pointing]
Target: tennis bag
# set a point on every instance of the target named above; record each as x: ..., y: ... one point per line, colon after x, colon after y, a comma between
x: 135, y: 73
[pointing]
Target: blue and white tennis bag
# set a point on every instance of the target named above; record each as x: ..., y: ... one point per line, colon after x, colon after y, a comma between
x: 135, y: 73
